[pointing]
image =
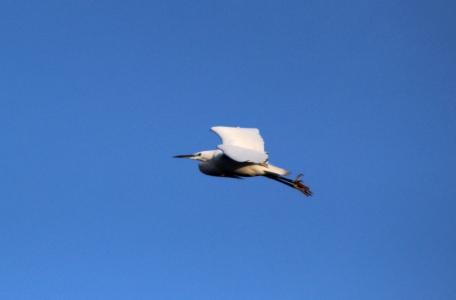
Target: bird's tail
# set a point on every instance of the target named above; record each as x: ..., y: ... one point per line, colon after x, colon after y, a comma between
x: 277, y: 170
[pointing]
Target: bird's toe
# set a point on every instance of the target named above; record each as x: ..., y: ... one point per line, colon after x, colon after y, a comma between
x: 299, y: 185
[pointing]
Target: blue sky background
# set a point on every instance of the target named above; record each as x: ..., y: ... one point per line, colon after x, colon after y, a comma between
x: 96, y: 96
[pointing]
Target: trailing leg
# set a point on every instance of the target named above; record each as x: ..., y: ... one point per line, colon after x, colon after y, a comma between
x: 297, y: 183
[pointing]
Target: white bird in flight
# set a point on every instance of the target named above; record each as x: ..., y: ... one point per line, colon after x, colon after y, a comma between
x: 242, y: 154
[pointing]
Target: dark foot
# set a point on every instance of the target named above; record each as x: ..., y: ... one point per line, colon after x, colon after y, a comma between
x: 299, y: 185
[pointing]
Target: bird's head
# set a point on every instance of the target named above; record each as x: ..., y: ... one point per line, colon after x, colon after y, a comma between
x: 202, y: 155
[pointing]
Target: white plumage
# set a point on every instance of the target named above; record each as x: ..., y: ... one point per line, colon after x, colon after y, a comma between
x: 242, y: 154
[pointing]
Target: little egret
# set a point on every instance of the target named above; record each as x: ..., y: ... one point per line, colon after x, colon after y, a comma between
x: 242, y: 154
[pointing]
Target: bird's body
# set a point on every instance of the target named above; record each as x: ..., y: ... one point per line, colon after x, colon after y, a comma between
x: 219, y: 164
x: 242, y: 154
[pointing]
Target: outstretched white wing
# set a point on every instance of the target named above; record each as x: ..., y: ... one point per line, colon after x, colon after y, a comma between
x: 241, y: 144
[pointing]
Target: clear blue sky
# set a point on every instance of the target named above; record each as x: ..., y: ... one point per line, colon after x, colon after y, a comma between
x: 96, y: 96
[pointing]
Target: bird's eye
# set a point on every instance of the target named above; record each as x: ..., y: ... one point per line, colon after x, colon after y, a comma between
x: 199, y: 154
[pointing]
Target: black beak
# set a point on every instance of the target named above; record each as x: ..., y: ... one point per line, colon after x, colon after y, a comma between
x: 183, y: 156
